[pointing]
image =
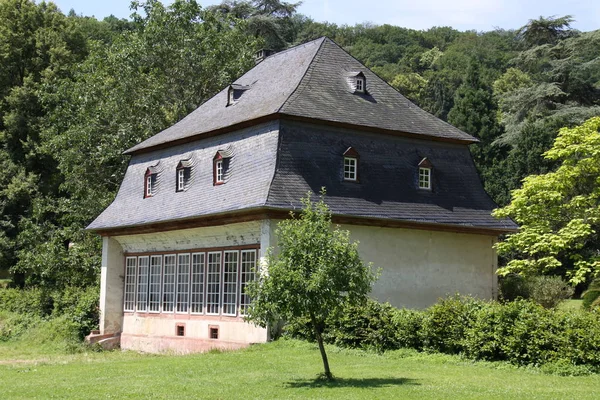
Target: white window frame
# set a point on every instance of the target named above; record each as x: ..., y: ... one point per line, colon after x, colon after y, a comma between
x: 219, y: 171
x: 129, y: 295
x: 350, y: 168
x: 172, y: 281
x: 424, y: 178
x: 360, y: 84
x: 229, y: 285
x: 197, y: 270
x: 213, y: 278
x: 149, y: 188
x: 155, y: 297
x: 182, y: 285
x: 143, y: 278
x: 180, y: 179
x: 247, y: 274
x: 230, y: 96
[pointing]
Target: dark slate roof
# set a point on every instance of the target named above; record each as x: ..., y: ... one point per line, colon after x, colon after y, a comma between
x: 311, y: 157
x: 252, y: 155
x: 310, y: 81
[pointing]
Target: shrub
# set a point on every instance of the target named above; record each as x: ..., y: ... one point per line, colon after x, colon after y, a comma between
x: 444, y: 323
x: 408, y: 325
x: 521, y: 332
x: 80, y: 306
x: 513, y: 287
x: 368, y: 326
x: 591, y: 297
x: 548, y: 290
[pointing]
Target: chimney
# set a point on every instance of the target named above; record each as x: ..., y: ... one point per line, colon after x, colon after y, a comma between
x: 262, y: 54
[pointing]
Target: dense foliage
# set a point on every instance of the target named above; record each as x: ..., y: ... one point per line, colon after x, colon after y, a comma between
x: 520, y: 332
x: 75, y: 92
x: 559, y: 211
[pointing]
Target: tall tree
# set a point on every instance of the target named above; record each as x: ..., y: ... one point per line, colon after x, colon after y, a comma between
x: 316, y: 273
x: 475, y: 112
x: 126, y: 90
x: 559, y: 212
x: 271, y: 20
x: 546, y: 30
x: 37, y: 44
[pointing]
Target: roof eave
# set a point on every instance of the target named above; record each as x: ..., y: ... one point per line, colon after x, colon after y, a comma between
x: 269, y: 212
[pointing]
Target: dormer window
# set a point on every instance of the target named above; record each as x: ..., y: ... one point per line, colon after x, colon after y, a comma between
x: 230, y: 97
x: 425, y: 168
x: 219, y: 171
x: 357, y: 82
x: 150, y: 182
x: 234, y: 93
x: 351, y: 165
x: 221, y: 163
x: 360, y: 84
x: 182, y: 175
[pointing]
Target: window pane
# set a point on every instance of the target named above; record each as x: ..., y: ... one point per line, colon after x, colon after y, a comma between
x: 154, y: 286
x: 197, y: 302
x: 169, y: 284
x: 183, y: 282
x: 230, y: 275
x: 213, y: 289
x: 246, y: 275
x: 129, y: 296
x: 142, y: 284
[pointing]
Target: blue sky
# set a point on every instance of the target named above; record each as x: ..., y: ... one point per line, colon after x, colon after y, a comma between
x: 481, y: 15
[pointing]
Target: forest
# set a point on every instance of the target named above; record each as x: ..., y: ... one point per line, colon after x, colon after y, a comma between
x: 75, y: 92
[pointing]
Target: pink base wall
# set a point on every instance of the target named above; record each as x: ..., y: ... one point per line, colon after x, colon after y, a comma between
x: 178, y: 345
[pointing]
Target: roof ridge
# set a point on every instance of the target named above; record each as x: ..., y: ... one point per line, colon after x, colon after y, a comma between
x: 323, y: 39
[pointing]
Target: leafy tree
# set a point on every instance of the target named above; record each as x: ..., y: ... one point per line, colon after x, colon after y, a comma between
x: 268, y: 19
x: 128, y: 88
x: 316, y: 272
x: 559, y: 212
x: 546, y: 30
x: 411, y: 85
x: 474, y: 112
x: 38, y: 44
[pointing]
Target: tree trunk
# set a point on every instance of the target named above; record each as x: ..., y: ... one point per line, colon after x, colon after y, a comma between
x: 317, y: 329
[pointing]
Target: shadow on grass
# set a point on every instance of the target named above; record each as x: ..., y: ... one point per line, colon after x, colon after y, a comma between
x: 352, y: 382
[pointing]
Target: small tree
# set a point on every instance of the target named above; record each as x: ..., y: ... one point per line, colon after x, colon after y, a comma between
x: 316, y: 272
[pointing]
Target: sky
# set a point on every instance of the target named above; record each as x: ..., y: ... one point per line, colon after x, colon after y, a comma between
x: 480, y: 15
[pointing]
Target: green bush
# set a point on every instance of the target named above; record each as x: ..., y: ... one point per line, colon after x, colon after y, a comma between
x: 444, y: 323
x: 521, y: 332
x: 79, y: 306
x: 408, y: 325
x: 591, y: 297
x: 548, y: 290
x: 513, y: 287
x: 368, y: 326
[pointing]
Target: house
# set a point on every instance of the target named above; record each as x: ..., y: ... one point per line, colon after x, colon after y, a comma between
x: 200, y: 201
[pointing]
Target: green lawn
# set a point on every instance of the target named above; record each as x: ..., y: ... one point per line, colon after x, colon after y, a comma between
x: 571, y: 304
x: 283, y: 369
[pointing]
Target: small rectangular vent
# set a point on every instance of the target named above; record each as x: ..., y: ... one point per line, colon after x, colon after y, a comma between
x: 214, y: 332
x: 180, y: 330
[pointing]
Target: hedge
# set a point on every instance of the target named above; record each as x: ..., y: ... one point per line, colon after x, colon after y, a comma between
x: 520, y: 332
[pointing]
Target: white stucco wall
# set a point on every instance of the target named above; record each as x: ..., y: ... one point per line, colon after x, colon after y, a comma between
x: 111, y: 287
x: 419, y: 266
x: 196, y: 238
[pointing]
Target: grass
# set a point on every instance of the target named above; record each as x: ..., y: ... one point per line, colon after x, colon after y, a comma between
x: 283, y: 369
x: 570, y: 305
